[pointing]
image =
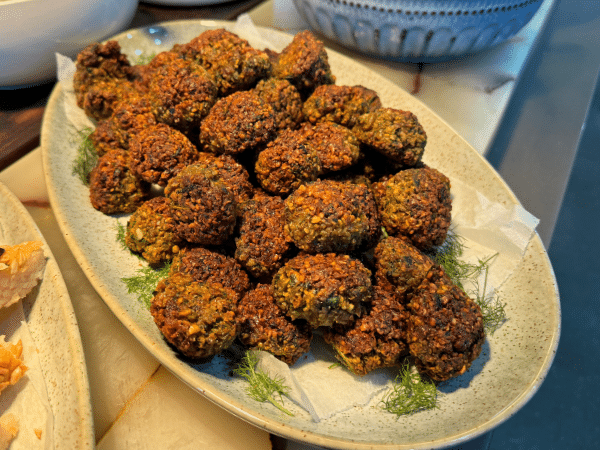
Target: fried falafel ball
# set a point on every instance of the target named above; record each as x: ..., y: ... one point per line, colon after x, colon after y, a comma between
x: 233, y: 174
x: 102, y: 78
x: 323, y: 289
x: 151, y: 231
x: 394, y: 133
x: 400, y: 266
x: 114, y: 188
x: 331, y: 216
x: 287, y: 162
x: 236, y: 123
x: 203, y: 208
x: 128, y: 118
x: 197, y: 318
x: 376, y: 339
x: 263, y: 326
x: 416, y: 203
x: 336, y: 146
x: 445, y: 329
x: 158, y: 153
x: 304, y: 63
x: 181, y: 92
x: 262, y: 244
x: 232, y: 62
x: 340, y: 104
x: 102, y: 97
x: 285, y: 100
x: 209, y: 266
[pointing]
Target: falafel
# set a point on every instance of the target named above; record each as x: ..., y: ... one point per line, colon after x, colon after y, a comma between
x: 197, y: 318
x: 323, y: 289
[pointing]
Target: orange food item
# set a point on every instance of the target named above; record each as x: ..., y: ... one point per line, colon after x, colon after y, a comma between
x: 21, y: 266
x: 11, y: 366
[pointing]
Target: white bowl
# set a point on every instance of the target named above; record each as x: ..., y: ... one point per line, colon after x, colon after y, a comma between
x: 32, y: 31
x: 418, y: 30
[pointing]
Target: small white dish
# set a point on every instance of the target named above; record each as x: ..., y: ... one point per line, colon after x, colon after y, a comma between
x: 32, y: 31
x: 51, y: 323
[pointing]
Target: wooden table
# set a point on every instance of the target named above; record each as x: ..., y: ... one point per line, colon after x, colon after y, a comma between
x: 21, y: 110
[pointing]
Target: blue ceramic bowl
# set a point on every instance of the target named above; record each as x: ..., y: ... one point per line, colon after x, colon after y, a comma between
x: 417, y: 30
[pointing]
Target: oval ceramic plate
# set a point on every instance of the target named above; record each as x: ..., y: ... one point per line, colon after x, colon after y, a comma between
x: 52, y: 325
x: 518, y: 355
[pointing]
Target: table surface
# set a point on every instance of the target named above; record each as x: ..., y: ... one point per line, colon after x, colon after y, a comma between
x: 512, y: 112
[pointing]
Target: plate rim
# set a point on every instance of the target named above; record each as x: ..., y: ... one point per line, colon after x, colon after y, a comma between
x: 225, y: 400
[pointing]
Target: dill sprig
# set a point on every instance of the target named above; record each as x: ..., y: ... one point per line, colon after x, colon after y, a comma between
x: 121, y: 232
x: 142, y: 59
x: 144, y: 283
x: 86, y: 158
x: 461, y: 272
x: 492, y: 309
x: 262, y: 387
x: 410, y: 393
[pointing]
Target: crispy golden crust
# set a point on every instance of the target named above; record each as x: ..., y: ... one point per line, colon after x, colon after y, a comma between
x: 262, y: 244
x: 233, y: 174
x: 128, y: 118
x: 285, y: 100
x: 113, y: 188
x: 210, y: 266
x: 181, y: 92
x: 103, y: 78
x: 203, y: 208
x: 197, y: 318
x: 151, y: 231
x: 286, y: 163
x: 304, y: 63
x: 323, y: 289
x: 375, y: 340
x: 263, y: 326
x: 445, y: 329
x: 416, y: 203
x: 331, y: 216
x: 340, y: 104
x: 230, y: 60
x: 394, y: 133
x: 236, y: 123
x: 400, y: 264
x: 336, y: 146
x: 158, y: 153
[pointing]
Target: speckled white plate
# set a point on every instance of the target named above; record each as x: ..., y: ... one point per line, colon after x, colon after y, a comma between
x: 510, y: 370
x: 51, y: 322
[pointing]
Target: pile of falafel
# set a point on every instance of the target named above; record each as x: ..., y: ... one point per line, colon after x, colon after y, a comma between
x: 286, y: 204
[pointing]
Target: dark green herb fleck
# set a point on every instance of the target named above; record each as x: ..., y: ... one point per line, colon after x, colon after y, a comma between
x: 86, y: 158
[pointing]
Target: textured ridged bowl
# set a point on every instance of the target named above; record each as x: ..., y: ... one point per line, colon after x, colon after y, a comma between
x: 418, y: 30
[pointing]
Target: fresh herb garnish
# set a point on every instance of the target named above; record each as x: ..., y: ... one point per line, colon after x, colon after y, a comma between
x: 144, y: 283
x: 492, y: 309
x: 121, y: 232
x: 461, y: 272
x: 142, y: 59
x: 86, y: 158
x: 410, y: 393
x: 262, y: 387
